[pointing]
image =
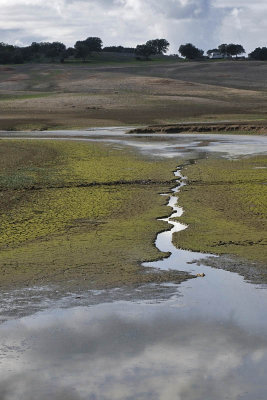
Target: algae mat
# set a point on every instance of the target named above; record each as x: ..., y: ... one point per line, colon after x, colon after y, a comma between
x: 225, y: 204
x: 80, y: 214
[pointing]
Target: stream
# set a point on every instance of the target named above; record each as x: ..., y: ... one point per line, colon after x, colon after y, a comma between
x: 205, y: 339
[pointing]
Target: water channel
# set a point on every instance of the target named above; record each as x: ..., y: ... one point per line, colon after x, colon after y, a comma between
x: 203, y: 340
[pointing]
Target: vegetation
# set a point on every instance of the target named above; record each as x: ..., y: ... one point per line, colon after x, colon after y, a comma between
x: 16, y: 55
x: 152, y: 47
x: 260, y: 53
x: 143, y: 51
x: 225, y: 208
x: 68, y: 209
x: 119, y: 49
x: 166, y: 91
x: 83, y: 49
x: 190, y: 52
x: 231, y: 49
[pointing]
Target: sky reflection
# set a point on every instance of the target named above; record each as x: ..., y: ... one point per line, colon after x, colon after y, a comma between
x: 125, y: 351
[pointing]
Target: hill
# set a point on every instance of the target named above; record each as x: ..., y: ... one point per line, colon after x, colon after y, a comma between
x: 57, y: 96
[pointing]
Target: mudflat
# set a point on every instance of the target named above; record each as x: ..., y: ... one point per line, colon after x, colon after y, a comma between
x: 226, y: 213
x: 66, y: 96
x: 81, y: 215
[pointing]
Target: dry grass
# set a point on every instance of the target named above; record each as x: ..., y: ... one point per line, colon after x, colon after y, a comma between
x: 73, y: 96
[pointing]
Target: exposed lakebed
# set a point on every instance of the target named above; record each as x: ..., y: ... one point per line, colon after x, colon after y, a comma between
x: 203, y: 339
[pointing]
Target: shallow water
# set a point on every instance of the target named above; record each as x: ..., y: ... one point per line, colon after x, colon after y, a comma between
x: 131, y: 351
x: 205, y: 339
x: 165, y: 145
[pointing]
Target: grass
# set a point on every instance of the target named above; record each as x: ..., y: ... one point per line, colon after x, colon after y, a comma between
x: 109, y: 58
x: 225, y: 208
x: 80, y: 214
x: 23, y: 96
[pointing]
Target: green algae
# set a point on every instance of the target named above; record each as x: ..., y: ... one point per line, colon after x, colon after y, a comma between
x: 226, y: 208
x: 104, y: 249
x: 56, y: 228
x: 31, y: 163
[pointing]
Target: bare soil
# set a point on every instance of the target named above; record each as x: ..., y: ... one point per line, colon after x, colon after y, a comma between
x: 51, y: 96
x: 200, y: 127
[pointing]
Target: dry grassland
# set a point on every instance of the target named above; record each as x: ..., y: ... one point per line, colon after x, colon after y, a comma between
x: 54, y: 96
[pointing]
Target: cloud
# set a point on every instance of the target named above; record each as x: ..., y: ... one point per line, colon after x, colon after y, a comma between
x: 206, y: 23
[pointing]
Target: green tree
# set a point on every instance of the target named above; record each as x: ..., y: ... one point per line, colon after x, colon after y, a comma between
x: 260, y: 53
x: 85, y: 47
x: 55, y: 49
x: 223, y: 49
x: 159, y: 46
x: 190, y: 51
x: 231, y: 49
x: 144, y: 51
x: 235, y: 49
x: 10, y: 54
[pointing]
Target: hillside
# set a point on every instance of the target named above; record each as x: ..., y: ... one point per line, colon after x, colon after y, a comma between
x: 54, y: 96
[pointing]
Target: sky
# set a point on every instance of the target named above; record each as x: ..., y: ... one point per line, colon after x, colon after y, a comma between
x: 205, y: 23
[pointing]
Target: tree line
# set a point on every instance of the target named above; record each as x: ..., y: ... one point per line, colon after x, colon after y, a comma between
x: 57, y: 51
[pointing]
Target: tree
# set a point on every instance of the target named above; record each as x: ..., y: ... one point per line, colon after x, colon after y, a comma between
x: 82, y: 50
x: 159, y: 46
x: 55, y: 49
x: 113, y: 49
x: 144, y: 50
x: 223, y: 49
x: 260, y: 53
x: 94, y: 43
x: 85, y: 47
x: 231, y: 49
x: 235, y: 49
x: 46, y: 49
x: 119, y: 49
x: 190, y: 52
x: 210, y: 52
x: 34, y: 47
x: 10, y: 54
x: 69, y: 52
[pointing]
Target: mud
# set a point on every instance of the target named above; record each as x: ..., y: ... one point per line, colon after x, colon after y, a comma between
x: 250, y: 271
x: 227, y: 127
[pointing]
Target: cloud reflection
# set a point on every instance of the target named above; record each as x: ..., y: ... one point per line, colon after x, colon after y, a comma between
x: 129, y: 352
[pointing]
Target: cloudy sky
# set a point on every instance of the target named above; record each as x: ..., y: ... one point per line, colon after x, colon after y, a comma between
x: 206, y: 23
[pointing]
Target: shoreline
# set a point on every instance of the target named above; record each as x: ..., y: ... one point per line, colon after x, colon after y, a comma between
x: 232, y: 128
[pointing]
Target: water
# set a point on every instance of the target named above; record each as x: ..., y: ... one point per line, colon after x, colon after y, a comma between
x: 131, y: 351
x: 179, y: 258
x: 205, y: 339
x: 160, y: 145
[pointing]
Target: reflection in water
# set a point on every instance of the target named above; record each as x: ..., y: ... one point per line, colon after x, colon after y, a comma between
x: 161, y: 145
x: 125, y: 351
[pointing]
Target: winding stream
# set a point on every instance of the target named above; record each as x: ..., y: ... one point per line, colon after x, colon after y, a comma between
x: 179, y: 258
x: 203, y: 340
